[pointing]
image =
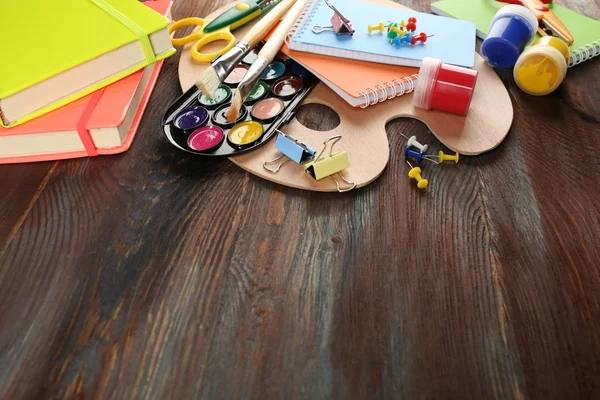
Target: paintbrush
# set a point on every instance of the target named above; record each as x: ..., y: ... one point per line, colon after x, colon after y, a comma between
x: 265, y: 56
x: 222, y: 66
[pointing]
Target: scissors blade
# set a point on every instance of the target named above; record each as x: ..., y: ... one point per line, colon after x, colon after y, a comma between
x: 547, y: 26
x: 266, y: 5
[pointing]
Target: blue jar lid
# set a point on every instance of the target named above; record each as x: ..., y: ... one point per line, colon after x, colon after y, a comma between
x: 523, y: 13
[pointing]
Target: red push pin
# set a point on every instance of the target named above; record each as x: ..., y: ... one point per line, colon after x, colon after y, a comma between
x: 411, y: 26
x: 421, y: 37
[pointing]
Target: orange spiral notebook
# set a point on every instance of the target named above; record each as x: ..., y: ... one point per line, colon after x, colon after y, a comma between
x: 360, y: 83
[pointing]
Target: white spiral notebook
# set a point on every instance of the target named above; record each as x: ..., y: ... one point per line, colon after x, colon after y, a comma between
x: 360, y: 83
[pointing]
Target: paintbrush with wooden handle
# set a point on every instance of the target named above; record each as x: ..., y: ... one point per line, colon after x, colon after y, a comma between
x: 265, y: 56
x: 222, y: 66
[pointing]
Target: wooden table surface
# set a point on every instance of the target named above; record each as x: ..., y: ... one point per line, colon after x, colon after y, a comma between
x: 155, y: 274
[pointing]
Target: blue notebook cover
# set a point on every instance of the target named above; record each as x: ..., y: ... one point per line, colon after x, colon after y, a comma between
x: 453, y: 41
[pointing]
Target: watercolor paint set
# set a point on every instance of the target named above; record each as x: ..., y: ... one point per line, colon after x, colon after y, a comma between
x: 198, y: 125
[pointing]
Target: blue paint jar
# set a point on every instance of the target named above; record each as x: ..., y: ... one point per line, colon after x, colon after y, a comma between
x: 511, y: 29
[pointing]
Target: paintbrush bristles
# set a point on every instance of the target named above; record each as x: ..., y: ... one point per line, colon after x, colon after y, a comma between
x: 209, y: 82
x: 245, y: 87
x: 222, y: 66
x: 265, y: 56
x: 236, y: 105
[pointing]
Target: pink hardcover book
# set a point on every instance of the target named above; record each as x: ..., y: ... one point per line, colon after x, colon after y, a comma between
x: 104, y: 122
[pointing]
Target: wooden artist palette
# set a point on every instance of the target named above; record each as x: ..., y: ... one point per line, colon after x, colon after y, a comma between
x: 363, y: 130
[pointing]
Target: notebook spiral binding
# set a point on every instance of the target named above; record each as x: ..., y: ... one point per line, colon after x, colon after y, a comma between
x: 584, y: 53
x: 389, y: 90
x: 307, y: 13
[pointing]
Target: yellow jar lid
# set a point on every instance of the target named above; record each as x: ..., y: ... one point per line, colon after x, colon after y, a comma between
x: 555, y: 42
x: 542, y: 67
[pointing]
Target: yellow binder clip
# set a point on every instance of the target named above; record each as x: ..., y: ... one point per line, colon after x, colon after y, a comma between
x: 334, y: 164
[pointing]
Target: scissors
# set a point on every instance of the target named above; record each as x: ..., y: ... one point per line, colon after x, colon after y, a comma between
x: 220, y: 28
x: 549, y: 24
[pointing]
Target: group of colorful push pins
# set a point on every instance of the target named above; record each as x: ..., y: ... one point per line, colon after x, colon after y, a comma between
x: 400, y: 32
x: 420, y: 155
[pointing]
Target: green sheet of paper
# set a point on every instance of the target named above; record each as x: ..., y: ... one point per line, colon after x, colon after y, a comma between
x: 481, y: 12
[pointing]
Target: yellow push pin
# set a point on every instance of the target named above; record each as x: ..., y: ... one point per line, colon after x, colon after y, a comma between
x: 445, y: 157
x: 379, y: 27
x: 399, y: 31
x: 415, y: 173
x: 448, y: 157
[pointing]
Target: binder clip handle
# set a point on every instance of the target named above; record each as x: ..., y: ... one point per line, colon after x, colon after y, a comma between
x: 335, y: 139
x: 273, y: 162
x: 320, y: 29
x: 339, y: 24
x: 337, y: 184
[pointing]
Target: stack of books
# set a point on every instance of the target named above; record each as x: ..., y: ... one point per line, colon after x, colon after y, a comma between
x: 77, y: 75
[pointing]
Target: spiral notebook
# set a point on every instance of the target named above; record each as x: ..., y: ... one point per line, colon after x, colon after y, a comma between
x: 360, y: 83
x: 586, y: 31
x: 450, y: 40
x: 377, y: 82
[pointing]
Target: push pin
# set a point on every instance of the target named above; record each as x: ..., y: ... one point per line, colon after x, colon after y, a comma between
x: 412, y: 141
x: 325, y: 167
x: 411, y: 39
x: 339, y: 24
x: 421, y: 37
x: 445, y: 157
x: 398, y: 31
x: 412, y: 24
x: 407, y: 38
x: 415, y: 173
x: 394, y: 31
x: 379, y: 27
x: 290, y: 148
x: 413, y: 154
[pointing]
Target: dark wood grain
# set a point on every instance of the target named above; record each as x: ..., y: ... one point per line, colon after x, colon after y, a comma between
x: 155, y: 274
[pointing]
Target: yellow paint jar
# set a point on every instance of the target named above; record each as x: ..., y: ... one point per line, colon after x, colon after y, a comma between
x: 542, y: 67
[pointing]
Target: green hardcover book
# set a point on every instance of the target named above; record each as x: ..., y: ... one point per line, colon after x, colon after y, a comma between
x: 586, y: 31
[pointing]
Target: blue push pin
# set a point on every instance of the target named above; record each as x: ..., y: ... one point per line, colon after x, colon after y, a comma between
x: 414, y: 154
x: 407, y: 38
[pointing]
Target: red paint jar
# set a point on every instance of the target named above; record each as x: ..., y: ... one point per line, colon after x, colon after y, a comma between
x: 444, y: 87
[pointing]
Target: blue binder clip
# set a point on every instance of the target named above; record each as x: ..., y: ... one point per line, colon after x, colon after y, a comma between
x: 291, y: 148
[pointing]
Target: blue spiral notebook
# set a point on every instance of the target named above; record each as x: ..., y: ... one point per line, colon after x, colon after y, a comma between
x: 453, y: 41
